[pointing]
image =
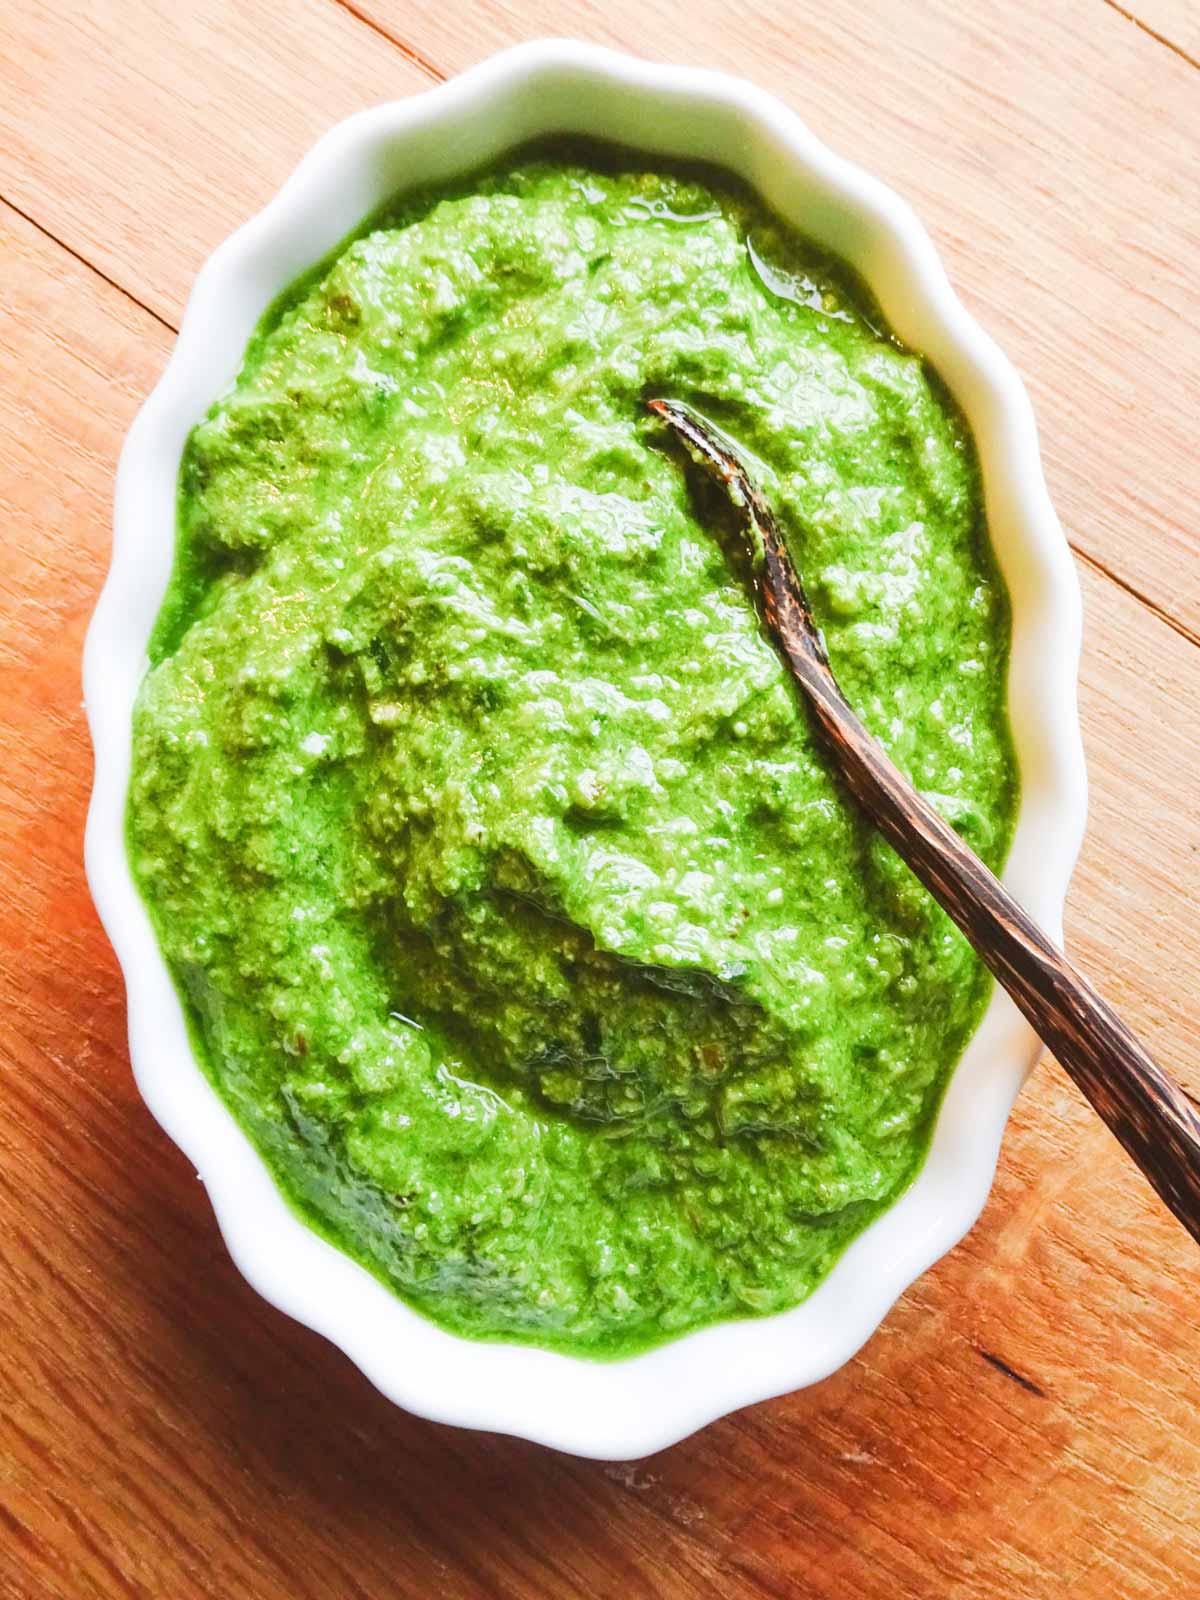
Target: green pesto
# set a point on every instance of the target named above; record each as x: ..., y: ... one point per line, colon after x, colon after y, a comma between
x: 518, y: 916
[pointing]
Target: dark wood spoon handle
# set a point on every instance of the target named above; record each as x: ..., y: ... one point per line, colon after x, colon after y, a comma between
x: 1144, y: 1108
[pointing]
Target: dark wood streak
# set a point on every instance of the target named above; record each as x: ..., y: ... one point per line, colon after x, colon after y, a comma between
x: 1144, y: 1108
x: 1018, y: 1378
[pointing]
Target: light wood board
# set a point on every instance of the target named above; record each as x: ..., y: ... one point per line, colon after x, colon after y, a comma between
x: 1024, y: 1424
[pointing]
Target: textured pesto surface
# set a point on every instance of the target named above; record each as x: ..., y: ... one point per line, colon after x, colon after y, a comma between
x: 518, y: 916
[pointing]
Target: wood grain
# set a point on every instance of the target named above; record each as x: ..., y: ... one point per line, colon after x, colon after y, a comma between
x: 1024, y: 1423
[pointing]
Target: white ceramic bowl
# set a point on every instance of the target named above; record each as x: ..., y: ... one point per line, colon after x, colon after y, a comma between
x: 627, y: 1408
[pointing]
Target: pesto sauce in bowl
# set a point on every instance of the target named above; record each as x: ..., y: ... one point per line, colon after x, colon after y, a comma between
x: 518, y: 915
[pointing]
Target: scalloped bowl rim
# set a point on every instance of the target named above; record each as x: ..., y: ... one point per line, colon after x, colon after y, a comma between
x: 627, y: 1408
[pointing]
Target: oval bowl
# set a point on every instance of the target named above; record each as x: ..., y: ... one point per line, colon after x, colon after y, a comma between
x: 627, y: 1408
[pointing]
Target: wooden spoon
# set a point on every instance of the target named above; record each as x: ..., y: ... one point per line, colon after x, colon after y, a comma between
x: 1146, y: 1110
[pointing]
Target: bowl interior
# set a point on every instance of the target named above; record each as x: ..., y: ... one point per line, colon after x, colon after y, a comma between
x: 626, y: 1408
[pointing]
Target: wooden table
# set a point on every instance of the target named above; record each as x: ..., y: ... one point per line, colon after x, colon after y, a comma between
x: 1025, y: 1422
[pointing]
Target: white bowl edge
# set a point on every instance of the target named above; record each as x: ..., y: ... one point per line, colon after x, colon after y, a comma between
x: 624, y: 1409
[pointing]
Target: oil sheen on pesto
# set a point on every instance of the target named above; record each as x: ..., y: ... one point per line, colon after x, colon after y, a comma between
x: 519, y: 918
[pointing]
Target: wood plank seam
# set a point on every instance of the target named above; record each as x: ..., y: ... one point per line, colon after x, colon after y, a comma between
x: 1181, y: 628
x: 90, y: 265
x: 411, y: 53
x: 1160, y: 38
x: 408, y: 51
